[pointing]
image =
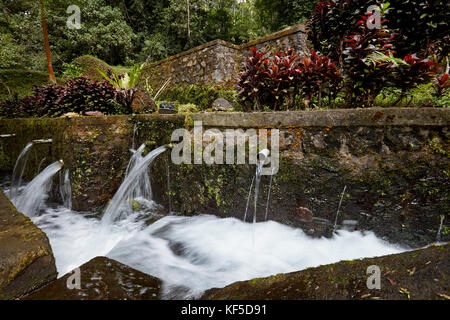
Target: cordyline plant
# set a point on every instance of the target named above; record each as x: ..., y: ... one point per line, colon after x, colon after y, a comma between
x: 283, y: 78
x: 413, y: 72
x: 423, y: 25
x: 441, y: 84
x: 254, y: 77
x: 332, y: 21
x: 318, y: 75
x: 278, y: 80
x: 366, y: 77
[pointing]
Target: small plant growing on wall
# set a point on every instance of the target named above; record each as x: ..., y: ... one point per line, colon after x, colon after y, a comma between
x: 125, y: 84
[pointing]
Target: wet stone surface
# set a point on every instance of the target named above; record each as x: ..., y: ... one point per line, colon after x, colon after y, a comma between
x: 102, y: 279
x: 415, y: 275
x: 26, y: 259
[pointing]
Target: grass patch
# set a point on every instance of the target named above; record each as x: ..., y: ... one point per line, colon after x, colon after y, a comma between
x: 21, y: 82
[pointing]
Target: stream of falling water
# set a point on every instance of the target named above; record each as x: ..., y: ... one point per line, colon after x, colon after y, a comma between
x: 189, y: 254
x: 19, y: 168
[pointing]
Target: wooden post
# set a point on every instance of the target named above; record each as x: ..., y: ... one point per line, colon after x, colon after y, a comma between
x: 51, y: 76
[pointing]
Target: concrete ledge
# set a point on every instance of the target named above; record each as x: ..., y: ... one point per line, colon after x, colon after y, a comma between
x: 26, y: 259
x: 335, y: 118
x: 314, y: 118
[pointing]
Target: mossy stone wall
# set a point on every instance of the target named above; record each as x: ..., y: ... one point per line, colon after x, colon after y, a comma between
x: 394, y: 163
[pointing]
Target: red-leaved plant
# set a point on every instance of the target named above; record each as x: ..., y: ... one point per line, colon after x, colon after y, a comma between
x: 283, y: 78
x: 318, y: 75
x: 414, y: 72
x: 78, y: 95
x: 365, y: 80
x: 254, y: 77
x: 441, y: 84
x: 277, y: 80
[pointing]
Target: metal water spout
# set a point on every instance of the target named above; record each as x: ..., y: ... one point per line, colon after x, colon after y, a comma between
x: 42, y: 141
x: 263, y: 155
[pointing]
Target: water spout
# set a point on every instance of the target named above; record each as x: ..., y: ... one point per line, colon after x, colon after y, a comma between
x: 168, y: 185
x: 40, y: 165
x: 268, y: 196
x: 339, y: 207
x: 263, y: 155
x: 438, y: 236
x: 42, y: 141
x: 120, y: 204
x: 135, y: 133
x: 248, y: 198
x: 257, y: 181
x: 18, y: 171
x: 65, y: 189
x: 29, y: 201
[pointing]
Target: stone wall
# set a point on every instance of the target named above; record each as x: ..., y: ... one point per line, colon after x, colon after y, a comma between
x: 210, y: 64
x: 394, y: 163
x: 294, y: 37
x: 217, y: 63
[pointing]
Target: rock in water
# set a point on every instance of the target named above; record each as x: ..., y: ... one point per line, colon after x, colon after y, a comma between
x: 102, y: 279
x: 420, y: 274
x: 221, y: 104
x: 26, y: 258
x: 143, y: 102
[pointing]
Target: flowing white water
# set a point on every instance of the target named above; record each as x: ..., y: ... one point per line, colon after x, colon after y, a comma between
x: 31, y: 198
x: 248, y: 198
x: 120, y: 205
x: 189, y: 254
x: 65, y: 189
x: 135, y: 133
x: 19, y: 168
x: 143, y: 188
x: 193, y: 254
x: 438, y: 235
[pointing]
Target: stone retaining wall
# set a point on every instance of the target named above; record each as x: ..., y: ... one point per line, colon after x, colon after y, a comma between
x: 394, y: 163
x: 217, y: 63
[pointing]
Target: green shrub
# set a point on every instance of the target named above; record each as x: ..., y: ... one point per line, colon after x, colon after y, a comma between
x: 21, y: 82
x: 201, y: 96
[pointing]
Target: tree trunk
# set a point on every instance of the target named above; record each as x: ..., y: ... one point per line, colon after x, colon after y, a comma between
x: 51, y: 76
